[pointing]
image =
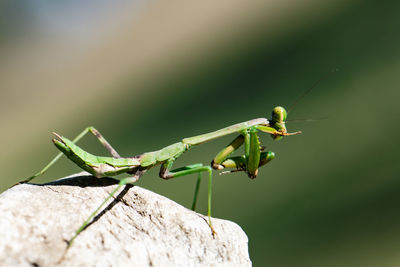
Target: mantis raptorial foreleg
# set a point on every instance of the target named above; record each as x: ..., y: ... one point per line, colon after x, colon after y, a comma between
x: 224, y: 153
x: 239, y: 163
x: 167, y: 173
x: 252, y: 145
x: 250, y: 161
x: 92, y: 130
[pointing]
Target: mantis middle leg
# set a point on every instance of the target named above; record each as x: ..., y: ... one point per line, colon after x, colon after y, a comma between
x: 167, y: 173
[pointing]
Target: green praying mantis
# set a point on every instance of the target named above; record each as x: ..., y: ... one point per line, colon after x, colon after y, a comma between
x: 254, y: 157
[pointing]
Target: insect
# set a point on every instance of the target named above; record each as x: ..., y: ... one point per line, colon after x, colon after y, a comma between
x: 254, y: 157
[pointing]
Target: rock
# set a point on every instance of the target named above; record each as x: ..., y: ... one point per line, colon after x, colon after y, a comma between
x: 137, y: 228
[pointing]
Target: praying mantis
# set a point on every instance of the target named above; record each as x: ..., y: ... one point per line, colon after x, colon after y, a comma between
x: 254, y: 157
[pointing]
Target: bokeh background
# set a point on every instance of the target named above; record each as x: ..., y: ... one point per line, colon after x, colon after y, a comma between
x: 148, y: 73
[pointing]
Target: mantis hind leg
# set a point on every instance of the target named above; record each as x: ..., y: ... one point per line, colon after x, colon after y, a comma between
x: 226, y: 151
x: 122, y: 182
x: 167, y: 173
x: 88, y: 221
x: 92, y: 130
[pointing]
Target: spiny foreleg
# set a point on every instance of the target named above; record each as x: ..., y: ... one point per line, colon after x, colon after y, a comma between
x: 252, y: 159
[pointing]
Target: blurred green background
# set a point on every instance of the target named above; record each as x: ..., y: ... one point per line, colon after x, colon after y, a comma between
x: 148, y: 73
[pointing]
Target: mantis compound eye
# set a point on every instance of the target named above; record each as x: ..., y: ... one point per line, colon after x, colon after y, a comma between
x: 279, y: 114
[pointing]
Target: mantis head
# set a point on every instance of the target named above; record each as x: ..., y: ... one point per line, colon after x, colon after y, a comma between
x: 278, y: 123
x: 278, y: 119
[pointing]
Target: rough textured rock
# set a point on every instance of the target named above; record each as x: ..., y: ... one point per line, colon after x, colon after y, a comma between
x: 137, y: 228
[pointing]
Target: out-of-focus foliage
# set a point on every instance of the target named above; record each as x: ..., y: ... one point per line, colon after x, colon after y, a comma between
x: 147, y: 75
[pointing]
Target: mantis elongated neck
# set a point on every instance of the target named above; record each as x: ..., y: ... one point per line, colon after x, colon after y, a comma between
x: 236, y: 128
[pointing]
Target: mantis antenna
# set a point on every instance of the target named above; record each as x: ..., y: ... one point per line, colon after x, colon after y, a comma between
x: 323, y: 77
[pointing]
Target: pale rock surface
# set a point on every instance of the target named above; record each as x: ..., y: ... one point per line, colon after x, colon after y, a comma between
x: 138, y: 228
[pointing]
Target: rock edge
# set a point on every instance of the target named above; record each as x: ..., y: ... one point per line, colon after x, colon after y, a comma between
x: 137, y: 228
